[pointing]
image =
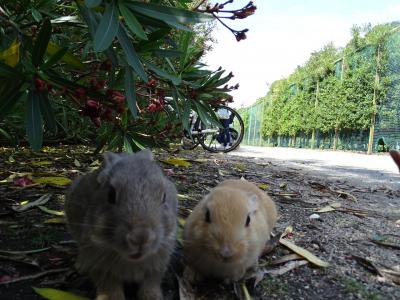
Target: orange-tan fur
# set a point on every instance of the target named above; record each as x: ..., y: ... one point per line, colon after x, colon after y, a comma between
x: 229, y: 204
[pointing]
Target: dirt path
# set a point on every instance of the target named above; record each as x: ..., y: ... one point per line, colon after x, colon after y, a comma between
x: 360, y: 239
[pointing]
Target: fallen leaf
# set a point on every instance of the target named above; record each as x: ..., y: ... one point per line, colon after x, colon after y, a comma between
x: 388, y: 240
x: 183, y: 196
x: 23, y: 207
x: 50, y: 211
x: 53, y: 180
x: 346, y: 194
x: 185, y: 289
x: 264, y: 186
x: 22, y: 181
x: 11, y: 159
x: 286, y: 267
x: 329, y: 208
x: 55, y: 221
x: 286, y: 258
x: 304, y: 253
x: 180, y: 162
x: 314, y: 217
x: 181, y: 221
x: 95, y: 163
x: 240, y: 167
x: 77, y: 163
x: 283, y: 186
x: 54, y: 294
x: 41, y: 163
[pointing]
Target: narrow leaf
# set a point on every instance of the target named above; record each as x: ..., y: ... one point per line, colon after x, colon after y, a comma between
x: 53, y: 180
x: 54, y: 58
x: 128, y: 144
x: 107, y: 28
x: 168, y: 53
x: 53, y: 294
x: 132, y: 22
x: 9, y: 72
x: 34, y: 122
x: 41, y: 43
x: 180, y: 162
x: 51, y: 211
x: 68, y: 57
x: 10, y: 56
x: 175, y: 80
x: 93, y: 3
x: 130, y: 91
x: 304, y: 253
x: 131, y: 55
x: 8, y: 101
x: 47, y: 113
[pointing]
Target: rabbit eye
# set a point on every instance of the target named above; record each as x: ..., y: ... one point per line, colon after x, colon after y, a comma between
x: 112, y: 198
x: 248, y: 221
x: 208, y: 219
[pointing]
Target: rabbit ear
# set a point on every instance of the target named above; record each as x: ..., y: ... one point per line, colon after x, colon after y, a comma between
x: 253, y: 202
x: 145, y: 154
x: 110, y: 159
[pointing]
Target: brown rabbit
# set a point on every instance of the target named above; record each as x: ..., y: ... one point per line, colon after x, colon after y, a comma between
x: 228, y: 229
x: 123, y: 216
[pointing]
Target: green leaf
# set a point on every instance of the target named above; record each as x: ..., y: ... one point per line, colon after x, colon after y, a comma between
x: 36, y: 14
x: 93, y: 3
x: 131, y: 21
x: 68, y: 57
x: 130, y: 91
x: 186, y: 114
x: 170, y: 15
x: 131, y: 55
x: 128, y: 144
x: 34, y: 123
x: 54, y: 58
x: 9, y: 72
x: 54, y: 294
x: 175, y: 80
x: 5, y: 134
x: 8, y: 100
x: 47, y: 113
x: 168, y: 53
x: 41, y: 43
x: 206, y: 115
x: 107, y: 29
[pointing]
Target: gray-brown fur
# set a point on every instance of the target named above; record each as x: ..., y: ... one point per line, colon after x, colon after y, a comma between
x: 130, y: 240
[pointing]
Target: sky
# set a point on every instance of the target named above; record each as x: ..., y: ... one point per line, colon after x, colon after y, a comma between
x: 282, y: 35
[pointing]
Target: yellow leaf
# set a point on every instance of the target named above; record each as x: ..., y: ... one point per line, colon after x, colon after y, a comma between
x: 11, y: 159
x: 24, y: 202
x: 55, y: 221
x: 10, y: 56
x: 41, y: 163
x: 68, y: 57
x: 53, y: 180
x: 329, y: 208
x: 181, y: 221
x: 177, y: 162
x: 51, y: 211
x: 264, y: 186
x: 304, y: 253
x: 240, y: 167
x: 183, y: 196
x: 54, y: 294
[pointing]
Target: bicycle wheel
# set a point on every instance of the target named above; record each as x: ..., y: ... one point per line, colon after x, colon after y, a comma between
x: 214, y: 141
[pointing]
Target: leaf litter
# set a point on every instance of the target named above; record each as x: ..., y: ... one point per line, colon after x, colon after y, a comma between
x: 341, y: 233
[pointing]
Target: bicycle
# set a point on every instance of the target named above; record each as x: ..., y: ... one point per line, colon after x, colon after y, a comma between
x: 212, y: 137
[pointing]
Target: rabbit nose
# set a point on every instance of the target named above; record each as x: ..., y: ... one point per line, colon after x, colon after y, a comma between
x: 139, y: 237
x: 226, y: 252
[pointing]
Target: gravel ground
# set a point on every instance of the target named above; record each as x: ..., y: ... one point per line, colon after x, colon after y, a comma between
x: 360, y: 168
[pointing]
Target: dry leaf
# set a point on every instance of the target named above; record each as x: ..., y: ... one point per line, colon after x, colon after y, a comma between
x: 185, y: 289
x: 304, y: 253
x: 53, y: 180
x: 177, y: 162
x: 23, y: 207
x: 77, y: 163
x: 329, y: 208
x: 53, y: 294
x: 55, y: 221
x: 50, y: 211
x: 264, y: 186
x: 41, y: 163
x: 286, y: 258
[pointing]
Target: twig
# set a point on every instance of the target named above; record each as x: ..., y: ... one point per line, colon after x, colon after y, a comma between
x: 34, y: 276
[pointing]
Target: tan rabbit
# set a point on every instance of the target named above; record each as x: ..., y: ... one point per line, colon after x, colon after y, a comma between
x: 123, y: 217
x: 228, y: 229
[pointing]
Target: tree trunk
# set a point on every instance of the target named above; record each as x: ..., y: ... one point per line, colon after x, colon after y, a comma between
x: 374, y: 102
x: 315, y: 106
x: 336, y: 139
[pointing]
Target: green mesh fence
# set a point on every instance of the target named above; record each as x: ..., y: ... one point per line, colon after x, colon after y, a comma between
x: 387, y: 123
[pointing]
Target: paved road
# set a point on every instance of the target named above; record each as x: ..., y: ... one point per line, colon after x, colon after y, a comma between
x: 376, y: 170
